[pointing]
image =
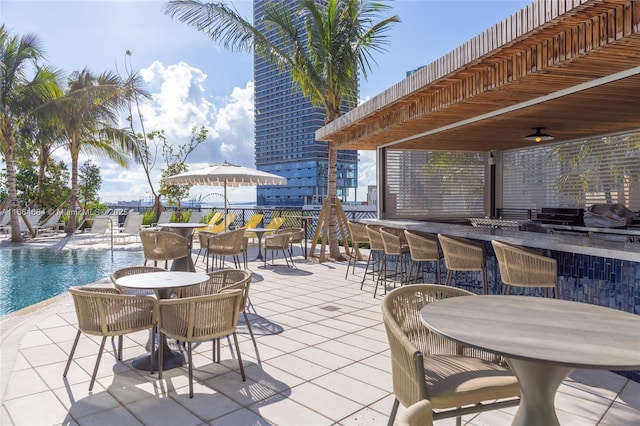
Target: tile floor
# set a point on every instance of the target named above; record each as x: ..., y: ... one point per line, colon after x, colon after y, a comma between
x: 321, y: 359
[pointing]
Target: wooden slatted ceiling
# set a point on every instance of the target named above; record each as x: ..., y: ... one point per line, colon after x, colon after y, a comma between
x: 593, y: 40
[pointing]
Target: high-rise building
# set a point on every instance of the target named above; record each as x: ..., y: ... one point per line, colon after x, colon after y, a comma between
x: 285, y: 125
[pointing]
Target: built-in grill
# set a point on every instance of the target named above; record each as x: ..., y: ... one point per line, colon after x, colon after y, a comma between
x: 560, y: 216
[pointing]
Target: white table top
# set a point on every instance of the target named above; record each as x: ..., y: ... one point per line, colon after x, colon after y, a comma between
x: 159, y: 280
x: 257, y: 230
x: 572, y: 334
x: 182, y: 225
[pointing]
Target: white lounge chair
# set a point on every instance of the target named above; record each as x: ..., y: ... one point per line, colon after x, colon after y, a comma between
x: 51, y: 224
x: 100, y: 228
x: 132, y: 226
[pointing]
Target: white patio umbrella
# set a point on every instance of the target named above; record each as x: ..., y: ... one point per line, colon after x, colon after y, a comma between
x: 225, y: 175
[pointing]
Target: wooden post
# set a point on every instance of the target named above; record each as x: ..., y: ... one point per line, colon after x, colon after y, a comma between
x: 323, y: 228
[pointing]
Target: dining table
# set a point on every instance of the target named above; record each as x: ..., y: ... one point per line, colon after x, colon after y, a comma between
x: 186, y: 229
x: 163, y: 285
x: 543, y: 340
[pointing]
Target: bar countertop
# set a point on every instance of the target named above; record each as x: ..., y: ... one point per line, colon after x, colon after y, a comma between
x: 578, y: 244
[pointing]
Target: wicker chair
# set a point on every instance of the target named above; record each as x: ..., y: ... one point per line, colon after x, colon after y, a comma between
x: 423, y: 248
x: 425, y: 365
x: 418, y: 414
x: 222, y: 280
x: 461, y: 254
x: 225, y: 244
x: 297, y: 237
x: 105, y: 312
x: 273, y: 243
x: 358, y: 235
x: 201, y: 318
x: 133, y: 270
x: 376, y: 253
x: 396, y: 248
x: 520, y: 267
x: 163, y: 246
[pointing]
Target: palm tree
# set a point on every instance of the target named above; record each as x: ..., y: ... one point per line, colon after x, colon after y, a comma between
x: 20, y: 96
x: 88, y: 116
x: 321, y: 44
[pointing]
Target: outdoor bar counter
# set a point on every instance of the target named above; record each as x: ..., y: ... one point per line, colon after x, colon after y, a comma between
x: 590, y: 270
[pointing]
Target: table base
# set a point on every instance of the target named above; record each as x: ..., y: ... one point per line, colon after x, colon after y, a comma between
x: 171, y: 359
x: 538, y: 385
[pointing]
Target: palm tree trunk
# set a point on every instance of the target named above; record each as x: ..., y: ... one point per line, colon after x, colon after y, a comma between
x: 14, y: 207
x: 71, y: 225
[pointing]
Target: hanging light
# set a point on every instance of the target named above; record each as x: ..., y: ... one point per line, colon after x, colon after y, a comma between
x: 538, y: 136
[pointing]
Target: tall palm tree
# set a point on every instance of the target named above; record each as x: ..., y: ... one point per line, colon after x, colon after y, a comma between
x: 323, y: 45
x: 20, y: 96
x: 88, y: 117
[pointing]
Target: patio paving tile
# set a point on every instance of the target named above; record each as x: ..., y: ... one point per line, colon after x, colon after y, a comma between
x: 322, y: 358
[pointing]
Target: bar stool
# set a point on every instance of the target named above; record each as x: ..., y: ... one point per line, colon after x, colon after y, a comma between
x: 461, y: 254
x: 423, y: 248
x: 396, y: 248
x: 376, y: 252
x: 520, y: 267
x: 358, y: 235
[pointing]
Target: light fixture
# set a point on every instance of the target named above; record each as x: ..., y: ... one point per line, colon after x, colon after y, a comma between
x: 538, y: 136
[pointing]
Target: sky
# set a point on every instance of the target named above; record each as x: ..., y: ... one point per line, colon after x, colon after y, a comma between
x: 195, y: 82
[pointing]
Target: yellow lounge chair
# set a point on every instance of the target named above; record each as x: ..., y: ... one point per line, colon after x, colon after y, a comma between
x: 253, y: 221
x: 222, y: 226
x: 275, y: 223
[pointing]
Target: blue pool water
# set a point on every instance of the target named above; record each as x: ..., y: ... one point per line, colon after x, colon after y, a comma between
x: 30, y: 276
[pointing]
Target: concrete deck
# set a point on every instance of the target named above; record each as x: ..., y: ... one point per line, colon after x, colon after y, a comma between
x: 321, y: 359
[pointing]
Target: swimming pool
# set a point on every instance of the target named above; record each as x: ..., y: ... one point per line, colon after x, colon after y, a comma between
x: 29, y: 276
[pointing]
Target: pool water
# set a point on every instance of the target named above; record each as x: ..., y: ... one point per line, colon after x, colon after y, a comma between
x: 30, y: 276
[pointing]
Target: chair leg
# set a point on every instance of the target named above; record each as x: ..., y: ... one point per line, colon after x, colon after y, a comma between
x: 235, y: 339
x: 190, y: 360
x: 364, y: 277
x: 95, y: 369
x: 153, y: 347
x: 246, y: 319
x: 394, y: 411
x: 73, y: 349
x: 449, y: 275
x: 160, y: 358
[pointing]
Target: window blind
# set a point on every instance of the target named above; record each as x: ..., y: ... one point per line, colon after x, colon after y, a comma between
x: 434, y: 184
x: 574, y: 174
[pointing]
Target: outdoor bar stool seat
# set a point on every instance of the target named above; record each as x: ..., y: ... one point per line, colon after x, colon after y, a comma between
x: 520, y: 267
x: 461, y: 254
x: 423, y: 247
x: 358, y: 235
x: 395, y: 248
x: 457, y: 380
x: 376, y: 252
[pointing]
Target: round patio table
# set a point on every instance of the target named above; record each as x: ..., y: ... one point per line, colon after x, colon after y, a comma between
x: 542, y: 339
x: 163, y: 284
x: 259, y: 233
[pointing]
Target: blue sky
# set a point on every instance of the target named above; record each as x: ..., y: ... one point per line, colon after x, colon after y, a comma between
x: 196, y: 83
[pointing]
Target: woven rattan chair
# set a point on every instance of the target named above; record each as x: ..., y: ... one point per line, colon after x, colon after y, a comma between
x: 297, y: 237
x: 134, y: 270
x: 105, y: 312
x: 396, y: 249
x: 163, y: 246
x: 376, y: 254
x: 418, y: 414
x: 358, y: 235
x: 225, y: 279
x: 425, y: 365
x: 525, y: 268
x: 201, y: 318
x: 461, y: 254
x: 219, y: 246
x: 277, y: 242
x: 423, y: 248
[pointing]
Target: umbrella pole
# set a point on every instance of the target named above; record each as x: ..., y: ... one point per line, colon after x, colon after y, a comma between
x: 226, y: 210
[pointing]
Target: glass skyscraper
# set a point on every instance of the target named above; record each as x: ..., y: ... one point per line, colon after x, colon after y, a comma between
x: 285, y: 125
